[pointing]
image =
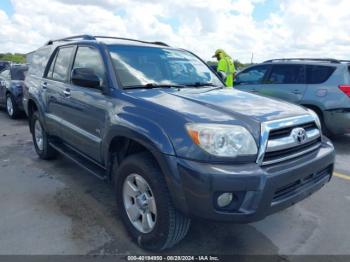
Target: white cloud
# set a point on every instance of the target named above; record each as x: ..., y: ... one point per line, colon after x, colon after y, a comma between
x: 298, y: 28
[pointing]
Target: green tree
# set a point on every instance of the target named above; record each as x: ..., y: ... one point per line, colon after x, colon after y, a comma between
x: 16, y: 57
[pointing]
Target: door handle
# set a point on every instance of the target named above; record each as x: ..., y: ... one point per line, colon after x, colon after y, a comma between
x: 44, y: 85
x: 66, y: 92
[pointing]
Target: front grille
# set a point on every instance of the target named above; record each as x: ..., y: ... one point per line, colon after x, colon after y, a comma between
x: 281, y: 132
x: 294, y: 187
x: 282, y: 146
x: 272, y: 156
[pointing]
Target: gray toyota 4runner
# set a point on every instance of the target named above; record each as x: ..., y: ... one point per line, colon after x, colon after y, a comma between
x: 159, y: 124
x: 322, y: 85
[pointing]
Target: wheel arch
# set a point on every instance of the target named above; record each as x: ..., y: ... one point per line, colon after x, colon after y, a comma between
x: 127, y: 142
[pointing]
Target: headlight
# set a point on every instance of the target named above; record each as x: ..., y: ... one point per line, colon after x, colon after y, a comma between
x: 223, y: 140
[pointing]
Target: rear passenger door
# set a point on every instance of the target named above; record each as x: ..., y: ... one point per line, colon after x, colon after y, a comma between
x: 55, y: 85
x: 286, y: 82
x: 251, y: 79
x: 84, y: 108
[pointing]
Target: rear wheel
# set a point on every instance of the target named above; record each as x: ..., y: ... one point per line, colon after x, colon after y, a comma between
x: 11, y: 107
x: 40, y: 138
x: 145, y: 206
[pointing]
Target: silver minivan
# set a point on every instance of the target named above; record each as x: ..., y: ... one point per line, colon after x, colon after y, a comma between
x: 322, y: 85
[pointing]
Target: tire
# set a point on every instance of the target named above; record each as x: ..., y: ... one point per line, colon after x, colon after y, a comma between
x: 41, y: 141
x: 12, y: 109
x: 169, y: 225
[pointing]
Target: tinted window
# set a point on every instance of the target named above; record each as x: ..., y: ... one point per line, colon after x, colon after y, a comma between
x: 287, y: 74
x: 18, y: 73
x: 318, y: 74
x: 3, y: 65
x: 60, y: 71
x: 88, y: 57
x: 252, y: 75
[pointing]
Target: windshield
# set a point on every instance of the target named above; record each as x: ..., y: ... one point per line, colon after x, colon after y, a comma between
x: 140, y: 66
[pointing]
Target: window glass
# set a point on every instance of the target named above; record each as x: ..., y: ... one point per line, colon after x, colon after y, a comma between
x: 37, y: 60
x: 4, y: 65
x: 50, y: 72
x: 18, y: 73
x: 89, y: 57
x: 318, y: 74
x: 5, y: 74
x: 136, y: 65
x: 287, y: 74
x: 252, y: 75
x: 60, y: 71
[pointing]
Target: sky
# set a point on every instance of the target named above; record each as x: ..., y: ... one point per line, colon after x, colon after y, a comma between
x: 264, y: 29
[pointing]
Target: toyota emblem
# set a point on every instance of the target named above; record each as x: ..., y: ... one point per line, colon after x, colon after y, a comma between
x: 299, y: 135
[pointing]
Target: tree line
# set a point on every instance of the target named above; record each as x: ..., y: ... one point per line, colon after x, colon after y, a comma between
x: 16, y: 57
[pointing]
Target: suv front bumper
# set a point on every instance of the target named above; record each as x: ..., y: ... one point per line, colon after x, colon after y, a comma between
x: 258, y: 190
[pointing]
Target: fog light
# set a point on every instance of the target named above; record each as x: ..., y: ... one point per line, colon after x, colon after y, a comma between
x: 224, y: 199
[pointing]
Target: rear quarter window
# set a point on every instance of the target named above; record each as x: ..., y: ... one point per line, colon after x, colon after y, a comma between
x: 37, y: 61
x: 317, y: 74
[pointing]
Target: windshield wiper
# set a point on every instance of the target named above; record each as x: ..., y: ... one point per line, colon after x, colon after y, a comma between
x: 154, y: 85
x: 200, y: 84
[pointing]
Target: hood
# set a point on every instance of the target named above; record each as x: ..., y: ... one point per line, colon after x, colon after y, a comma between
x: 221, y: 104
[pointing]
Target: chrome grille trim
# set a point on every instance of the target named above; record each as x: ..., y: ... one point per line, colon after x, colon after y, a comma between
x: 289, y: 142
x: 269, y: 162
x: 266, y: 127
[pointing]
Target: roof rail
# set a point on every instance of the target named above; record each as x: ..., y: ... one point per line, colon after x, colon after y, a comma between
x: 135, y: 40
x: 306, y: 59
x: 82, y: 37
x: 91, y: 37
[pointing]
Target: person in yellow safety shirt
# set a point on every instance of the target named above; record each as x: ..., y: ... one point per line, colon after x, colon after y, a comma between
x: 225, y: 66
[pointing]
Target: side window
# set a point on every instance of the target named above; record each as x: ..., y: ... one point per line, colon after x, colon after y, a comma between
x: 252, y: 75
x: 89, y: 57
x: 287, y: 74
x: 50, y: 72
x: 61, y: 68
x: 5, y: 74
x: 318, y: 74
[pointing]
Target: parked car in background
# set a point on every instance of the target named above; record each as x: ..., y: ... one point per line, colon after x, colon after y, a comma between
x: 4, y: 64
x: 322, y: 85
x: 159, y: 124
x: 11, y: 88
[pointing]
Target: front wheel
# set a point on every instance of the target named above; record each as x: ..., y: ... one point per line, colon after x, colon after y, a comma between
x: 40, y: 138
x: 145, y: 206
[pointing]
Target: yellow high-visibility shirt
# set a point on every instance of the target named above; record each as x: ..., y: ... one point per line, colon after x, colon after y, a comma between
x: 226, y: 66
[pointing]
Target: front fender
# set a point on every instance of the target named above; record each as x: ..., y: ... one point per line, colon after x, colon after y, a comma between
x: 144, y: 131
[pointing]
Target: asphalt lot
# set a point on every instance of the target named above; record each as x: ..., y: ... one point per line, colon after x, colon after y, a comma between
x: 57, y: 208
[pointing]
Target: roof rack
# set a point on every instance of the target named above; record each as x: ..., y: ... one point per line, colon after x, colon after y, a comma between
x: 91, y: 37
x: 71, y: 38
x: 307, y: 59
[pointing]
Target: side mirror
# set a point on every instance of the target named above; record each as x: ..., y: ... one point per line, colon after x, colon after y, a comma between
x: 85, y: 77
